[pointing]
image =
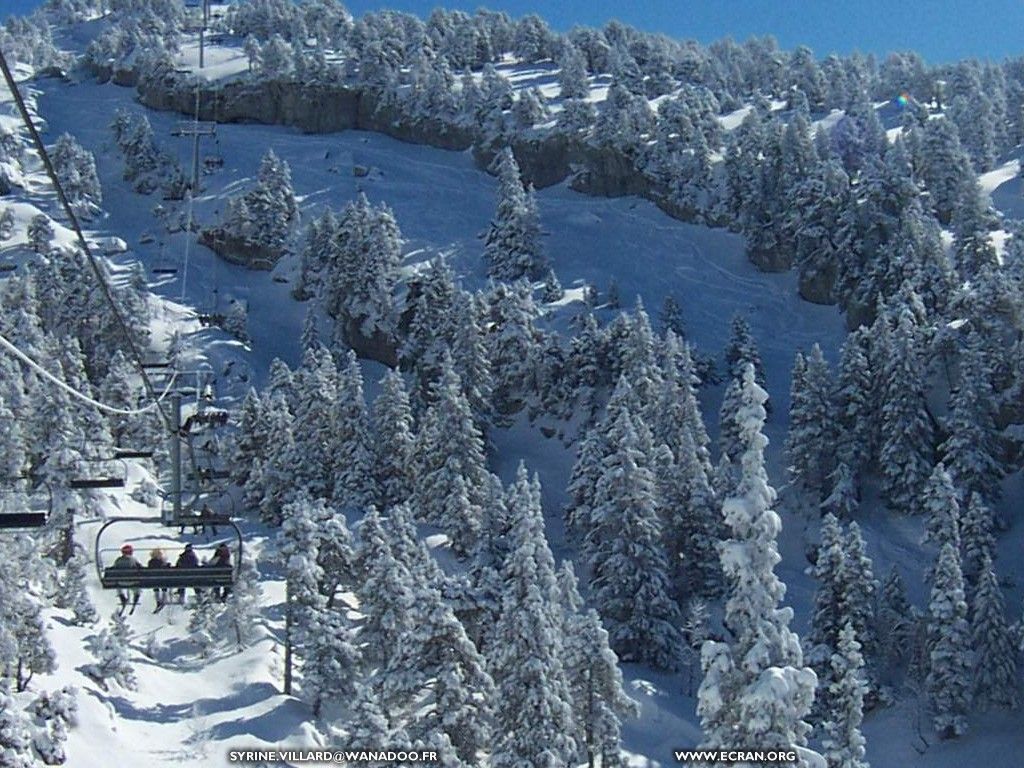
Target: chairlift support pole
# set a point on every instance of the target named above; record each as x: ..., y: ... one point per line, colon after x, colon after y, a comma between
x: 176, y: 456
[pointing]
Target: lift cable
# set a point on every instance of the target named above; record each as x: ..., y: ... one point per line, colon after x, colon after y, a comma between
x: 7, y: 345
x: 73, y: 219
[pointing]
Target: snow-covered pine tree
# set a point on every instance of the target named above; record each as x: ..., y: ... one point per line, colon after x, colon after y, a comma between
x: 330, y: 658
x: 40, y: 234
x: 629, y: 574
x: 691, y: 528
x: 595, y: 684
x: 511, y: 341
x: 76, y: 170
x: 361, y: 271
x: 857, y: 417
x: 436, y: 681
x: 513, y: 248
x: 110, y: 648
x: 73, y: 594
x: 56, y: 712
x: 386, y: 593
x: 949, y: 674
x: 976, y: 538
x: 351, y: 449
x: 897, y: 621
x: 202, y: 624
x: 244, y: 603
x: 995, y: 669
x: 906, y: 429
x: 970, y: 450
x: 533, y: 713
x: 843, y: 741
x: 450, y: 462
x: 678, y: 410
x: 316, y: 391
x: 393, y: 441
x: 810, y: 442
x: 756, y: 689
x: 941, y: 508
x: 860, y: 592
x: 15, y: 734
x: 828, y: 618
x: 275, y: 479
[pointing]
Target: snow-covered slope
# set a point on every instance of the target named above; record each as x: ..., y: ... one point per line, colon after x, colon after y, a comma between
x: 189, y: 710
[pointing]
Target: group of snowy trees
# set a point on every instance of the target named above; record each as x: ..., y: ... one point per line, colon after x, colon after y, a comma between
x: 145, y: 165
x: 265, y: 215
x: 428, y: 659
x: 76, y: 170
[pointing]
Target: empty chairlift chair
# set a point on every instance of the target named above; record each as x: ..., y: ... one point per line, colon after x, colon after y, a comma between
x: 23, y: 504
x: 101, y: 473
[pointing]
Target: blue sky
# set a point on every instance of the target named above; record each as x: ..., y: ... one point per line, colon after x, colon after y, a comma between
x: 940, y: 30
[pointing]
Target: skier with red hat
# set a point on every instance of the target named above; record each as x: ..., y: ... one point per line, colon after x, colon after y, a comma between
x: 127, y: 560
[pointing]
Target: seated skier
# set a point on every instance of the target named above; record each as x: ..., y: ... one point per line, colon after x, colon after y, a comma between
x: 127, y: 560
x: 157, y: 560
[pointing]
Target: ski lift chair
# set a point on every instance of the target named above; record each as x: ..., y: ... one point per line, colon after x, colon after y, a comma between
x: 23, y: 519
x: 108, y: 475
x: 164, y: 578
x: 163, y: 265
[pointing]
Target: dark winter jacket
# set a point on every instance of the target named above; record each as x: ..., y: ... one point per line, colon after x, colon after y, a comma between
x: 187, y: 559
x: 221, y: 558
x: 126, y: 561
x: 157, y: 563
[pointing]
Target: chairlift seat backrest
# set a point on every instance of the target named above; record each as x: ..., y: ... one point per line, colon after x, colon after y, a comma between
x: 17, y: 520
x: 167, y: 578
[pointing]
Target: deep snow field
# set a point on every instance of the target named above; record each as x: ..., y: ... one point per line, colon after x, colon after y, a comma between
x: 189, y: 710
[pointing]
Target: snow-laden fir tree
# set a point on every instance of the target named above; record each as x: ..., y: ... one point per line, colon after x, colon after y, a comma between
x: 393, y: 441
x: 976, y: 538
x: 330, y: 658
x: 361, y: 271
x: 437, y: 681
x: 693, y: 525
x: 449, y: 459
x: 906, y: 429
x: 275, y: 479
x: 55, y: 712
x: 386, y: 593
x: 995, y: 670
x: 810, y: 442
x: 595, y: 681
x: 842, y: 500
x: 76, y: 170
x: 15, y: 734
x: 629, y: 574
x: 110, y: 649
x: 511, y: 340
x: 843, y: 742
x: 533, y: 712
x: 827, y: 618
x: 512, y: 246
x: 756, y: 689
x: 243, y: 605
x: 897, y: 620
x: 860, y: 591
x: 40, y: 234
x: 313, y: 431
x: 471, y: 354
x: 73, y: 594
x: 941, y: 508
x: 202, y: 624
x: 352, y: 452
x: 949, y: 679
x: 970, y: 450
x: 856, y: 418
